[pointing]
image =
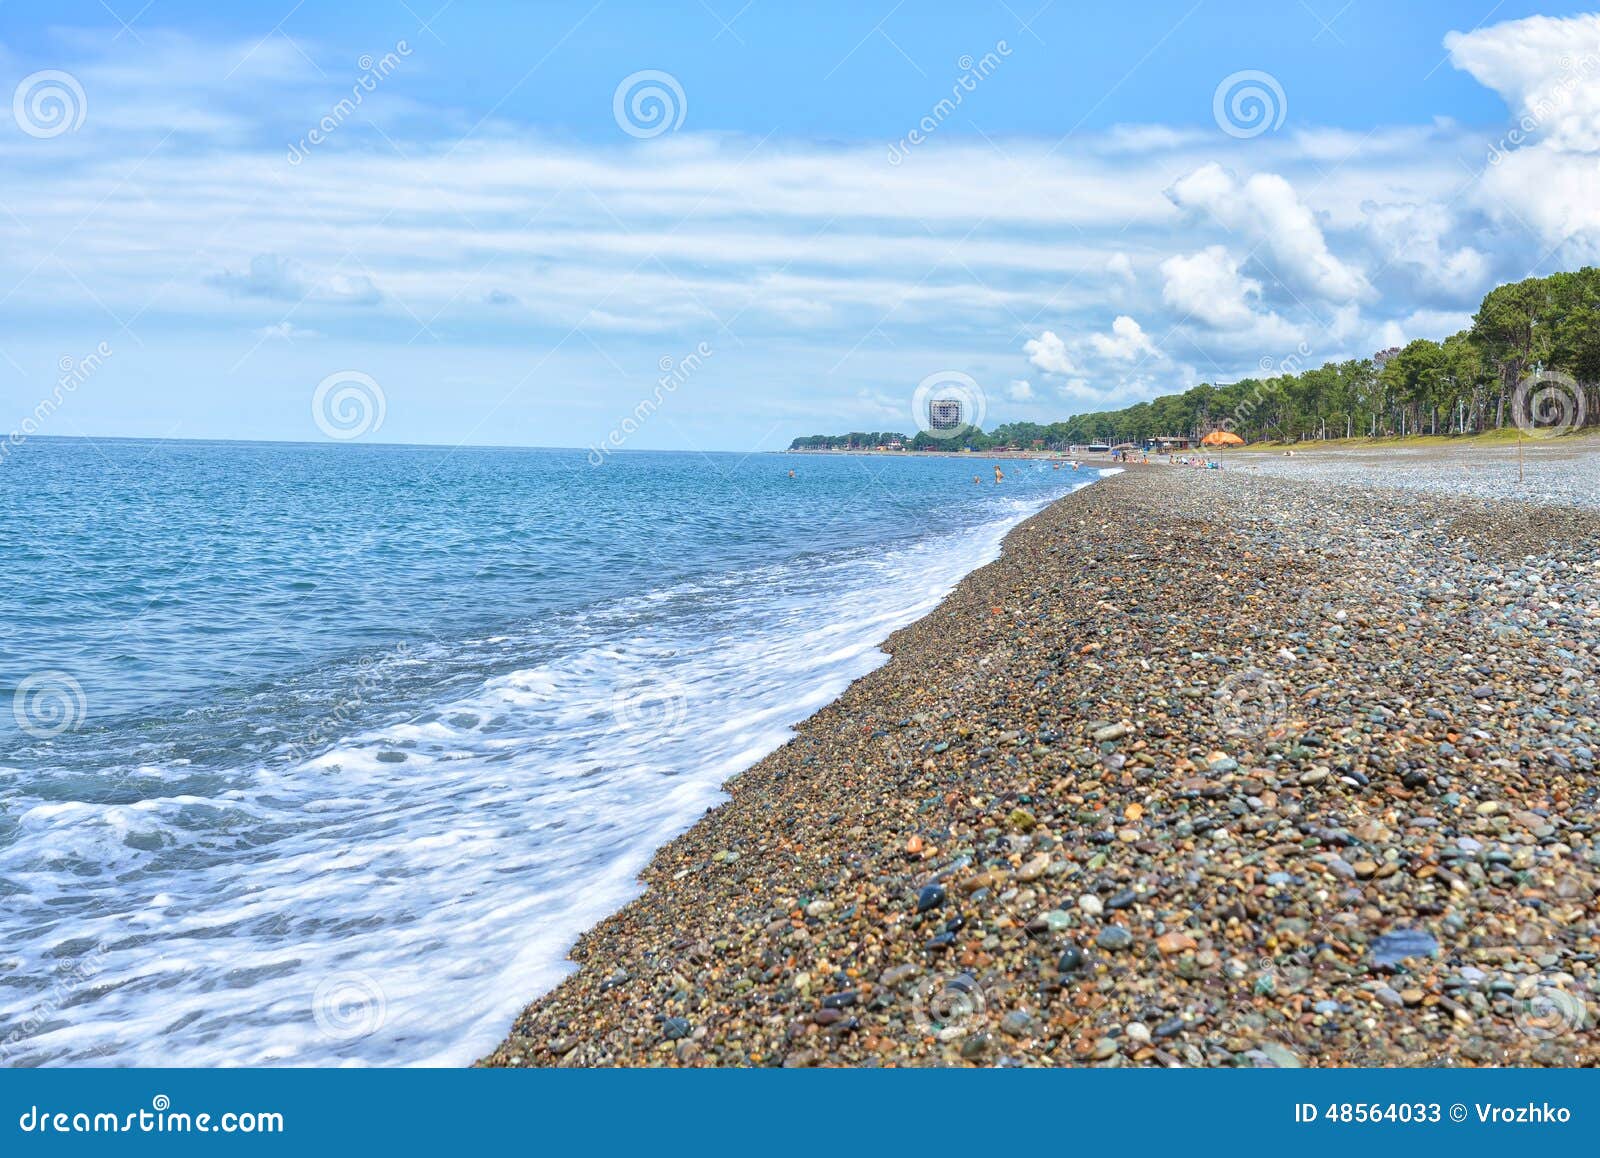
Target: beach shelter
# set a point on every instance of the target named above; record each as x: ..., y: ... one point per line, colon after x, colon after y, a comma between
x: 1222, y: 438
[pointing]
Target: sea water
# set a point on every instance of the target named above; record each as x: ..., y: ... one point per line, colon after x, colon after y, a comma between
x: 325, y: 754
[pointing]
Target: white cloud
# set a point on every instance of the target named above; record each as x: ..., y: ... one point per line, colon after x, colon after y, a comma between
x: 1266, y: 209
x: 286, y: 332
x: 1120, y: 266
x: 1049, y: 353
x: 1020, y: 390
x: 1391, y: 334
x: 1126, y: 342
x: 281, y: 279
x: 1548, y: 71
x: 1208, y: 285
x: 1415, y: 236
x: 1545, y: 169
x: 1435, y: 325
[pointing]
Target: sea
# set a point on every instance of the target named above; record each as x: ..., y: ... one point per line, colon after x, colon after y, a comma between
x: 325, y: 754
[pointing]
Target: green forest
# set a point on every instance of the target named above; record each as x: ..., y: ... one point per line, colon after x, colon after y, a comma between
x: 1466, y: 384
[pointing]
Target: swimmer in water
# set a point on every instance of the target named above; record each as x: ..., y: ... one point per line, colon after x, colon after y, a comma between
x: 791, y: 474
x: 997, y: 476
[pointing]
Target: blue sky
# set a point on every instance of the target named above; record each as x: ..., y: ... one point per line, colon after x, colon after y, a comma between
x: 486, y: 245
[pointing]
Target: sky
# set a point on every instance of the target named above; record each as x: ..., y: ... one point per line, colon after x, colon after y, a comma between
x: 720, y: 225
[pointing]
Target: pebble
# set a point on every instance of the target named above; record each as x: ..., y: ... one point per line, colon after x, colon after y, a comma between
x: 1392, y: 839
x: 1017, y: 1023
x: 1394, y: 947
x: 976, y: 1045
x: 1114, y: 938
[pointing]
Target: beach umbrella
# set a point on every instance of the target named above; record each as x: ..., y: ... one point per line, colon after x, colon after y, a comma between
x: 1222, y: 438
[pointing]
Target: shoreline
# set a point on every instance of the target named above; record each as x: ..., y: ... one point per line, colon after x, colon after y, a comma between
x: 1146, y: 806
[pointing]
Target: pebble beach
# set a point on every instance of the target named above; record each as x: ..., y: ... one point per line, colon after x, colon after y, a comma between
x: 1247, y: 768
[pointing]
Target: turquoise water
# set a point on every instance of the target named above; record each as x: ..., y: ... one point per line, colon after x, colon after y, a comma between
x: 324, y: 754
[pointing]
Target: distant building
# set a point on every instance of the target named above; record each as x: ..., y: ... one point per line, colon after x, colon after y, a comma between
x: 944, y: 414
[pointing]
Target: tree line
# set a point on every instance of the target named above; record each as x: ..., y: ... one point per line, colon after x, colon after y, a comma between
x: 1466, y: 384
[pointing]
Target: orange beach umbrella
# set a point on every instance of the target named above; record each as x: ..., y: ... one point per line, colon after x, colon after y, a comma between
x: 1222, y: 438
